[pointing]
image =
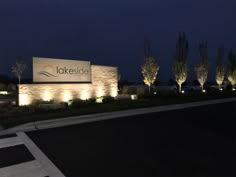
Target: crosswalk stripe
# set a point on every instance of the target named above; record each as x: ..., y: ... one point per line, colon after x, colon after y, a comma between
x: 7, y: 142
x: 27, y: 169
x: 47, y: 165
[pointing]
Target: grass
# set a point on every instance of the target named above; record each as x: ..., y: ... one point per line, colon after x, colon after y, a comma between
x: 12, y: 116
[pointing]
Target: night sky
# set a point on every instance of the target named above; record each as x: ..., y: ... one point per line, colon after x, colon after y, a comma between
x: 111, y: 32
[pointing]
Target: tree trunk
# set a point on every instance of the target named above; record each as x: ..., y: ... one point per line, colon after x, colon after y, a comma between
x: 219, y: 86
x: 179, y: 88
x: 19, y: 80
x: 202, y: 87
x: 149, y: 89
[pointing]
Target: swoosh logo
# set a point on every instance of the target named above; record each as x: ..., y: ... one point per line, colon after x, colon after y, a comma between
x: 47, y: 74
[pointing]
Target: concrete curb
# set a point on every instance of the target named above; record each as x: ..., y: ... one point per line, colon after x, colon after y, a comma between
x: 39, y: 125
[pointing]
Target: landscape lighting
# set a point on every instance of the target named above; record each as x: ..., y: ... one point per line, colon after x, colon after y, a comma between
x: 23, y: 99
x: 47, y: 96
x: 134, y: 97
x: 67, y: 96
x: 99, y: 99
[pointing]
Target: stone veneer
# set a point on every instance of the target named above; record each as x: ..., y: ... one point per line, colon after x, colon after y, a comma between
x: 103, y: 83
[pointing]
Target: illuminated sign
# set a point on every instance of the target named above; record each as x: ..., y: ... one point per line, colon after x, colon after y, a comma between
x: 60, y: 70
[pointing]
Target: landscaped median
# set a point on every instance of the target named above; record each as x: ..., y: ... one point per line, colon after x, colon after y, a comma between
x: 12, y: 116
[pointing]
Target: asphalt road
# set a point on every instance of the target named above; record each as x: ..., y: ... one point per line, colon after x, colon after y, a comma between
x: 198, y: 141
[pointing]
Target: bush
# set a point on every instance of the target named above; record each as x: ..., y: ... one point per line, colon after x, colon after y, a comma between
x: 40, y: 101
x: 108, y: 99
x: 79, y: 103
x: 92, y: 100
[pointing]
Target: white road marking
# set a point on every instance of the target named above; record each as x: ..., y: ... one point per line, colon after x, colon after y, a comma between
x: 40, y: 157
x: 27, y: 169
x: 7, y: 142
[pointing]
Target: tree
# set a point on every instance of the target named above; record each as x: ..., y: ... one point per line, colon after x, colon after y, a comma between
x: 180, y: 60
x: 220, y: 69
x: 149, y: 70
x: 18, y: 69
x: 231, y: 68
x: 202, y: 67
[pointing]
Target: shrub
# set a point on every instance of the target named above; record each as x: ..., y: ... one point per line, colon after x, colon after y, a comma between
x: 92, y: 100
x: 108, y: 99
x: 79, y: 103
x: 40, y: 101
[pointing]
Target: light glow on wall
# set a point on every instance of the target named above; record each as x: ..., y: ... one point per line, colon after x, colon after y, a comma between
x: 23, y: 99
x: 67, y: 95
x: 47, y: 95
x: 85, y: 95
x: 113, y: 92
x: 100, y: 92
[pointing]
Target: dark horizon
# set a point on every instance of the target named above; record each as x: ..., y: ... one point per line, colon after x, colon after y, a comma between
x: 112, y: 32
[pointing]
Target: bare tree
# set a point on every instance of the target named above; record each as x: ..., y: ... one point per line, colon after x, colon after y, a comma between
x: 18, y: 68
x: 180, y: 60
x: 231, y: 68
x: 149, y: 70
x: 202, y: 67
x: 220, y: 69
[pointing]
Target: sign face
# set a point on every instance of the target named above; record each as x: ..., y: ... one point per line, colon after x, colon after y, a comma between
x: 59, y: 70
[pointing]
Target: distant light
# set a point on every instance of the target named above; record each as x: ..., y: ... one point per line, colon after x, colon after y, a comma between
x: 134, y: 97
x: 233, y: 89
x: 3, y: 92
x: 221, y: 89
x: 154, y: 93
x: 182, y: 91
x: 203, y: 91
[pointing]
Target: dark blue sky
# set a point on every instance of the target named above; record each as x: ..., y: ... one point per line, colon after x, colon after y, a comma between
x: 111, y: 32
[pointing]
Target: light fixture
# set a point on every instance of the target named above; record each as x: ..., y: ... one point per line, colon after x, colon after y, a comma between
x: 134, y: 97
x: 99, y: 99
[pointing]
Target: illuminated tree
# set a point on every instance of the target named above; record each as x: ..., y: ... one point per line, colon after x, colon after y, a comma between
x: 220, y: 69
x: 18, y: 68
x: 231, y: 68
x: 202, y: 67
x: 180, y: 60
x: 149, y: 70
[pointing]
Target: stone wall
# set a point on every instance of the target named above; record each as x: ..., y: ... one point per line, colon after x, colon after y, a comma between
x: 104, y: 83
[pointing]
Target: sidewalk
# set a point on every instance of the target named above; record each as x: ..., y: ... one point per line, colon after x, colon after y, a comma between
x: 38, y: 125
